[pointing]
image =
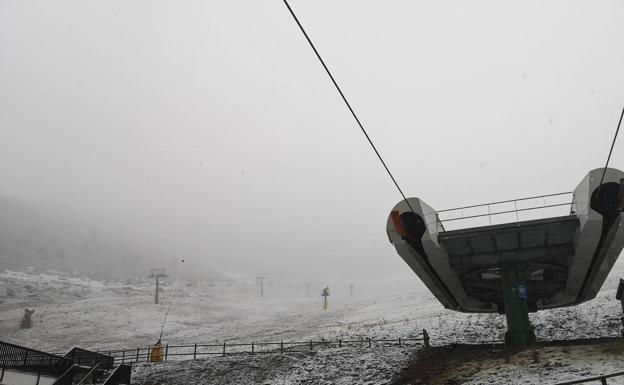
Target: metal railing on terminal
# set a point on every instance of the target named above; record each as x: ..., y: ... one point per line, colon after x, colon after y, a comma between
x: 509, y: 211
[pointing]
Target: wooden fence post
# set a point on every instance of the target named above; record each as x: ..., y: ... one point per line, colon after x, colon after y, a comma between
x: 310, y: 344
x: 399, y: 341
x: 123, y: 356
x: 195, y: 352
x: 369, y: 342
x: 137, y: 360
x: 252, y: 348
x: 282, y: 347
x: 166, y: 351
x: 339, y: 343
x: 224, y: 349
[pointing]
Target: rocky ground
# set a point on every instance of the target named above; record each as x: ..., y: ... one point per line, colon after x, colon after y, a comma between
x: 547, y: 363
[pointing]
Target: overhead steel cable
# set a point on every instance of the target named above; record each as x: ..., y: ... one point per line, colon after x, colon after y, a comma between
x: 611, y: 150
x: 347, y: 103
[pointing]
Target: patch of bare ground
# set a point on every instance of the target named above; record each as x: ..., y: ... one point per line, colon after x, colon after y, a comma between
x: 546, y: 363
x: 452, y: 364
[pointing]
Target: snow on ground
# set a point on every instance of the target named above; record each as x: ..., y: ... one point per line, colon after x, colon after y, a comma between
x: 549, y: 365
x: 341, y: 366
x: 74, y: 311
x: 115, y: 315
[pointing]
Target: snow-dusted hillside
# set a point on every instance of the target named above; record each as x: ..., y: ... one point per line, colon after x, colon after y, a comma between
x: 75, y: 311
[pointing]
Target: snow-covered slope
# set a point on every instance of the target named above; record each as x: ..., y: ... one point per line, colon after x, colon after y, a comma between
x: 97, y: 314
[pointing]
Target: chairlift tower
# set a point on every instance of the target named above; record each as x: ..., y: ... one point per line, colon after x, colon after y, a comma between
x: 261, y: 279
x: 157, y: 273
x: 515, y: 257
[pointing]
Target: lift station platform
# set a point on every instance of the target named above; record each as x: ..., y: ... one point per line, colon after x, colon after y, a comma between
x: 519, y: 256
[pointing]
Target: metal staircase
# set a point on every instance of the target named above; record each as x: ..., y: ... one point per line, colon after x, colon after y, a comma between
x: 20, y: 365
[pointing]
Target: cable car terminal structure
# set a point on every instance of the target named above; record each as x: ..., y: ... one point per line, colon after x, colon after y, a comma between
x: 521, y: 266
x: 509, y: 268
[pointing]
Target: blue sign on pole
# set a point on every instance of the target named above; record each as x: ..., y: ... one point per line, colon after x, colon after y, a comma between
x: 522, y: 292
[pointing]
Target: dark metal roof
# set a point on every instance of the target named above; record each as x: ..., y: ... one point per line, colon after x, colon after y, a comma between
x: 545, y: 247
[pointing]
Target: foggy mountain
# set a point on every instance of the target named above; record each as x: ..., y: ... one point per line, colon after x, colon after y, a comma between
x: 51, y: 236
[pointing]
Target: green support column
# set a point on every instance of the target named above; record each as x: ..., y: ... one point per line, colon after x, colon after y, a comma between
x: 519, y: 329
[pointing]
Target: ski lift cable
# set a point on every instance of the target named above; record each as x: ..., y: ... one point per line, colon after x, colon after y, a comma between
x: 175, y: 285
x: 342, y: 95
x: 611, y: 150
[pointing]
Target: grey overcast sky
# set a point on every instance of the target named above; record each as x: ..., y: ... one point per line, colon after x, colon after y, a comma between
x: 210, y: 128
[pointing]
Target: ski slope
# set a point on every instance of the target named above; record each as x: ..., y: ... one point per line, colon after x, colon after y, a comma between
x: 120, y: 313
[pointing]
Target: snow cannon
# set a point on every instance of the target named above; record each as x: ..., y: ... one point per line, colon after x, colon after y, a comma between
x: 26, y: 319
x: 516, y: 256
x: 325, y: 294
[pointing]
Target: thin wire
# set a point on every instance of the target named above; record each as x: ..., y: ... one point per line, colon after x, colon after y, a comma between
x: 347, y: 103
x: 612, y: 144
x: 175, y: 284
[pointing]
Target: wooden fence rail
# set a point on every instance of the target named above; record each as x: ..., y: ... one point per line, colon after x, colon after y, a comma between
x: 193, y: 351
